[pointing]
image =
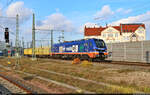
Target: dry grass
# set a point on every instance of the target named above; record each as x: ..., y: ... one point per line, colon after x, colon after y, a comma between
x: 71, y: 81
x: 53, y: 88
x: 129, y: 79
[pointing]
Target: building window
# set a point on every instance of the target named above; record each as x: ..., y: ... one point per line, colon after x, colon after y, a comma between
x: 127, y: 38
x: 110, y: 35
x: 116, y: 35
x: 124, y: 38
x: 130, y: 30
x: 133, y: 35
x: 141, y: 38
x: 140, y: 31
x: 104, y: 35
x: 110, y: 30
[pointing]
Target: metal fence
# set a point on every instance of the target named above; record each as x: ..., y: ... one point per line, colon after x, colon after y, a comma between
x: 130, y: 51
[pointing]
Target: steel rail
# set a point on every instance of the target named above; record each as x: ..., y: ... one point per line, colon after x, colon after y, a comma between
x: 123, y: 63
x: 18, y: 84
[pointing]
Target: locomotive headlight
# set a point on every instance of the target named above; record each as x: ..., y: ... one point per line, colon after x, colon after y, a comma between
x: 94, y: 49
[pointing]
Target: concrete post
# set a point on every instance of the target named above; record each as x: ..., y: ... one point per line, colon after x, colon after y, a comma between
x: 147, y: 56
x: 125, y: 51
x: 33, y: 38
x: 141, y: 51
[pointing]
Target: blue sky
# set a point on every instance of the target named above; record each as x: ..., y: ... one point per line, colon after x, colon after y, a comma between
x: 74, y: 14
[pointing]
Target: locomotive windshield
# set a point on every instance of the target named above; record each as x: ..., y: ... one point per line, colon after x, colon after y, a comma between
x: 99, y: 43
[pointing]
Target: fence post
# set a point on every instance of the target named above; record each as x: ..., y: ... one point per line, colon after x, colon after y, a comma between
x: 147, y: 56
x: 125, y: 51
x: 141, y: 51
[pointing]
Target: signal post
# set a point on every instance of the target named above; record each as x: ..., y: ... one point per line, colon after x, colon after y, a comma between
x: 6, y: 35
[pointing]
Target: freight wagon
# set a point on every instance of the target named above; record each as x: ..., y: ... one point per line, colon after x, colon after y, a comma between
x: 39, y: 52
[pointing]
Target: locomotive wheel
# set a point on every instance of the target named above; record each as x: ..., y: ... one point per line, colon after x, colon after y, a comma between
x: 90, y: 59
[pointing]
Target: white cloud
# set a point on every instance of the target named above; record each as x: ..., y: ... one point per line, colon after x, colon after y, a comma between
x: 1, y: 12
x: 121, y: 10
x: 143, y: 18
x: 88, y: 24
x: 104, y: 13
x: 134, y: 19
x: 57, y: 10
x: 128, y: 11
x: 56, y: 21
x: 19, y: 8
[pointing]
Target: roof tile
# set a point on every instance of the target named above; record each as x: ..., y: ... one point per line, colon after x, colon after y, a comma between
x: 125, y: 28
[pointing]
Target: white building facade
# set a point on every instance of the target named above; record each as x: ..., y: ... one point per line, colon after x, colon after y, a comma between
x: 113, y: 34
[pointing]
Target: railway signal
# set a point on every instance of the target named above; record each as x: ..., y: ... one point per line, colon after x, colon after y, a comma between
x: 6, y: 35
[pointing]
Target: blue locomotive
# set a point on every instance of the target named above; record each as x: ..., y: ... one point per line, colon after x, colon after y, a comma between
x: 83, y: 49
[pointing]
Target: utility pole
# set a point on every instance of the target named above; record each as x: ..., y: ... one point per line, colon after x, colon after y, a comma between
x: 17, y: 40
x: 51, y: 40
x: 17, y: 34
x: 33, y: 38
x: 22, y: 46
x: 61, y: 37
x: 41, y: 43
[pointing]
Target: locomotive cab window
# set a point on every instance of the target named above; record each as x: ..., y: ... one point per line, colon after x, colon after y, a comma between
x: 99, y: 43
x: 90, y: 44
x: 86, y: 44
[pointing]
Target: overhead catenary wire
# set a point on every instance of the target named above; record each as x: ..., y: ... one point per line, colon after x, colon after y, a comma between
x: 7, y: 4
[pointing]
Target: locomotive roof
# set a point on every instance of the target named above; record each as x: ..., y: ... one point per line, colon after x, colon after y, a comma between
x: 75, y: 41
x: 80, y: 40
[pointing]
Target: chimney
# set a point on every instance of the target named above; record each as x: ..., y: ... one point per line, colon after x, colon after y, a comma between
x: 121, y: 27
x: 106, y: 25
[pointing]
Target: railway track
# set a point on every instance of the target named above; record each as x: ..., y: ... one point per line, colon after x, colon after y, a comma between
x: 107, y: 62
x: 96, y: 62
x: 4, y: 90
x: 15, y: 86
x: 123, y: 63
x: 52, y: 80
x: 29, y: 91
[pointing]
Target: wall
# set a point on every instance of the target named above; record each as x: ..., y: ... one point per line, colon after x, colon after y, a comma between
x: 130, y: 51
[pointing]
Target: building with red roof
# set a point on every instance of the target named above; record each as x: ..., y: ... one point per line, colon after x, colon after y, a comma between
x: 121, y: 33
